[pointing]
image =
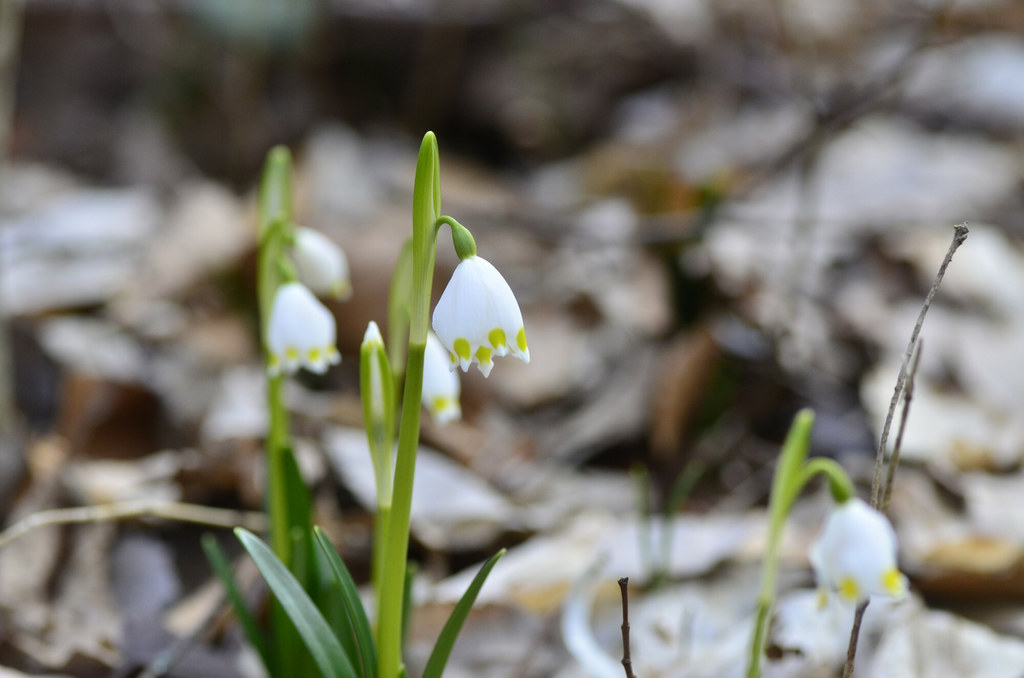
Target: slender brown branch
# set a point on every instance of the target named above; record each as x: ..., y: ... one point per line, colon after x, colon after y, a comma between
x: 894, y: 459
x: 960, y: 232
x: 851, y: 649
x: 627, y: 663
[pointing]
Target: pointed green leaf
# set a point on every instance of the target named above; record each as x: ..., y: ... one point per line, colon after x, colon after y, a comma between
x: 446, y: 641
x: 275, y: 187
x: 426, y: 200
x: 299, y: 505
x: 794, y: 452
x: 219, y: 563
x: 357, y: 625
x: 328, y: 654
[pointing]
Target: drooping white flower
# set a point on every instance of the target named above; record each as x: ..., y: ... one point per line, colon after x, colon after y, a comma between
x: 856, y: 554
x: 300, y: 332
x: 321, y: 264
x: 478, y: 317
x: 441, y: 386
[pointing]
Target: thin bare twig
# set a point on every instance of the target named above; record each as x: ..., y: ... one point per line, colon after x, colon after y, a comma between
x: 136, y: 508
x: 627, y: 663
x: 894, y: 459
x: 960, y: 233
x: 851, y: 649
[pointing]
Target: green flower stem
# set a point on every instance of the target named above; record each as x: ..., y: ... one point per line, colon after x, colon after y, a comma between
x: 465, y: 245
x: 426, y: 208
x: 277, y: 444
x: 397, y: 543
x: 275, y: 209
x: 380, y: 532
x: 377, y: 388
x: 765, y: 599
x: 792, y: 474
x: 269, y: 274
x: 838, y: 482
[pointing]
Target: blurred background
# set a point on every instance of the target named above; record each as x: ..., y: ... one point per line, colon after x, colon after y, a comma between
x: 713, y: 213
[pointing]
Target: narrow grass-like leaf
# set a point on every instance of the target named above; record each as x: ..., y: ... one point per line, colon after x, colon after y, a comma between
x: 303, y: 568
x: 357, y: 626
x: 446, y: 641
x: 681, y: 489
x: 295, y: 659
x: 640, y: 476
x: 411, y: 569
x: 328, y: 654
x: 300, y: 508
x: 219, y: 563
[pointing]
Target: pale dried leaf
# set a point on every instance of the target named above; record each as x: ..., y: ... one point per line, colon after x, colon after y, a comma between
x: 452, y: 508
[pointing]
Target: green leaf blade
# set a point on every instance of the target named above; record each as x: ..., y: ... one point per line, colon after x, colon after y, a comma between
x: 358, y: 623
x: 327, y: 652
x: 450, y: 632
x: 219, y: 562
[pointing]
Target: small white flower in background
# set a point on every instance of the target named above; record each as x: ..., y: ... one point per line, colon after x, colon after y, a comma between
x: 856, y: 554
x: 300, y: 332
x: 440, y: 384
x: 478, y: 317
x: 321, y: 264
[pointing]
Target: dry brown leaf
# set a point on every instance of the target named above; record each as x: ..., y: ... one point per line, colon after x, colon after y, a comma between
x: 687, y: 365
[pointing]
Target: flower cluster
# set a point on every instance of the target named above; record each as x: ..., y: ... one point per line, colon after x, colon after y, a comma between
x: 856, y: 554
x: 478, y: 318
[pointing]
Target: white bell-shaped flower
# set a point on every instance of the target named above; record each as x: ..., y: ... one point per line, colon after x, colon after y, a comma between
x: 321, y: 264
x: 478, y: 317
x: 300, y: 332
x: 441, y: 386
x: 856, y: 554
